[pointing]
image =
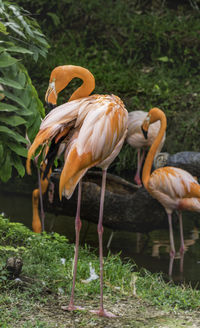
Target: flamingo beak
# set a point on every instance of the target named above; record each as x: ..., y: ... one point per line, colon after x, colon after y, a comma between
x: 145, y: 132
x: 51, y: 95
x: 50, y: 105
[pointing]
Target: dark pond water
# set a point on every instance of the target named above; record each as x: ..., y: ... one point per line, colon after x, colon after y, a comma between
x: 148, y: 251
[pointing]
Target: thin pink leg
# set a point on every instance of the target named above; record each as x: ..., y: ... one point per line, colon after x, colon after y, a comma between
x: 42, y: 214
x: 171, y: 262
x: 181, y: 261
x: 171, y: 236
x: 182, y: 247
x: 139, y: 165
x: 101, y: 312
x: 78, y: 224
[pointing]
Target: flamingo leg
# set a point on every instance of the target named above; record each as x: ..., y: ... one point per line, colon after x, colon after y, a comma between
x: 41, y: 200
x: 171, y: 236
x: 102, y: 312
x: 182, y: 247
x: 140, y: 159
x: 171, y: 263
x: 181, y: 261
x: 78, y: 224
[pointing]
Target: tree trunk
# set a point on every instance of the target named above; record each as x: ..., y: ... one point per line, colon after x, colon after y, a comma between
x: 127, y: 207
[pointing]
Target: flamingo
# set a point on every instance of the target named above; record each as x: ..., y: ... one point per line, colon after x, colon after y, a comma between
x: 174, y: 188
x: 136, y: 139
x: 93, y: 129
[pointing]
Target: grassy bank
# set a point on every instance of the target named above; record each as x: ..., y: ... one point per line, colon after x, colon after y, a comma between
x: 137, y: 298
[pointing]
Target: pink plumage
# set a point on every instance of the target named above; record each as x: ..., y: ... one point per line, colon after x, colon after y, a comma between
x: 90, y: 129
x: 174, y: 188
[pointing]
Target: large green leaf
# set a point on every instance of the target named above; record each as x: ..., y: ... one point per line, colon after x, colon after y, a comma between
x: 16, y: 28
x: 10, y: 83
x: 33, y: 129
x: 6, y: 60
x: 2, y: 49
x: 13, y: 120
x: 14, y: 98
x: 12, y: 134
x: 42, y: 41
x: 4, y: 107
x: 1, y: 153
x: 21, y: 109
x: 25, y: 112
x: 3, y: 28
x: 21, y: 19
x: 19, y: 50
x: 18, y: 149
x: 26, y: 97
x: 6, y: 168
x: 18, y: 165
x: 22, y: 78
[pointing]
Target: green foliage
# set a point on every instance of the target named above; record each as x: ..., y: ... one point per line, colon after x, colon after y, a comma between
x: 167, y: 295
x: 42, y: 254
x: 45, y: 278
x: 13, y: 234
x: 20, y: 106
x: 145, y: 52
x: 23, y: 32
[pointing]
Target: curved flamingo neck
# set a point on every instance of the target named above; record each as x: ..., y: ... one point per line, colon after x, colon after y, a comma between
x: 146, y: 173
x: 82, y: 73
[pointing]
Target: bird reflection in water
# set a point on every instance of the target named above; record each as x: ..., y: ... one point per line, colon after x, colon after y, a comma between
x: 165, y: 244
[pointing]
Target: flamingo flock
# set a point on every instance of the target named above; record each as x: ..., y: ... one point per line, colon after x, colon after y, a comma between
x: 90, y: 130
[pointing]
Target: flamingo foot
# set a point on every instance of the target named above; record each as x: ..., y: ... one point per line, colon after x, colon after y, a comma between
x: 104, y: 313
x: 72, y: 307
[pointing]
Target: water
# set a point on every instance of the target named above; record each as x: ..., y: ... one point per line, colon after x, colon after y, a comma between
x: 148, y: 251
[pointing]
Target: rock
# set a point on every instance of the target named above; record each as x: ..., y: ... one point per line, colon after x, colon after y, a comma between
x: 127, y: 207
x: 14, y: 266
x: 186, y: 160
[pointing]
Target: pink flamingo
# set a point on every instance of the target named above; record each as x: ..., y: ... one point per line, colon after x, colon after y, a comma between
x: 93, y: 129
x: 174, y: 188
x: 136, y: 138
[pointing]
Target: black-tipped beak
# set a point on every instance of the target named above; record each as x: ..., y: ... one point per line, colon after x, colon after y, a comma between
x: 50, y: 105
x: 145, y: 133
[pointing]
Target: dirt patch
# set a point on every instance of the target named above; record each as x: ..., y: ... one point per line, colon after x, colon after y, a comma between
x: 132, y: 312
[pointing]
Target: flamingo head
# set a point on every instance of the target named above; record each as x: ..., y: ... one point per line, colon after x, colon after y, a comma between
x: 153, y: 115
x: 59, y: 79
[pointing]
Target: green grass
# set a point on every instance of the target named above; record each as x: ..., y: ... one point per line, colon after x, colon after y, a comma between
x: 46, y: 284
x: 42, y: 254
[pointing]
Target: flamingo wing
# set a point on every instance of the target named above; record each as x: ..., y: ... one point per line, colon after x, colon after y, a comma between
x: 170, y: 185
x: 135, y: 136
x: 98, y: 141
x: 56, y: 126
x: 190, y: 204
